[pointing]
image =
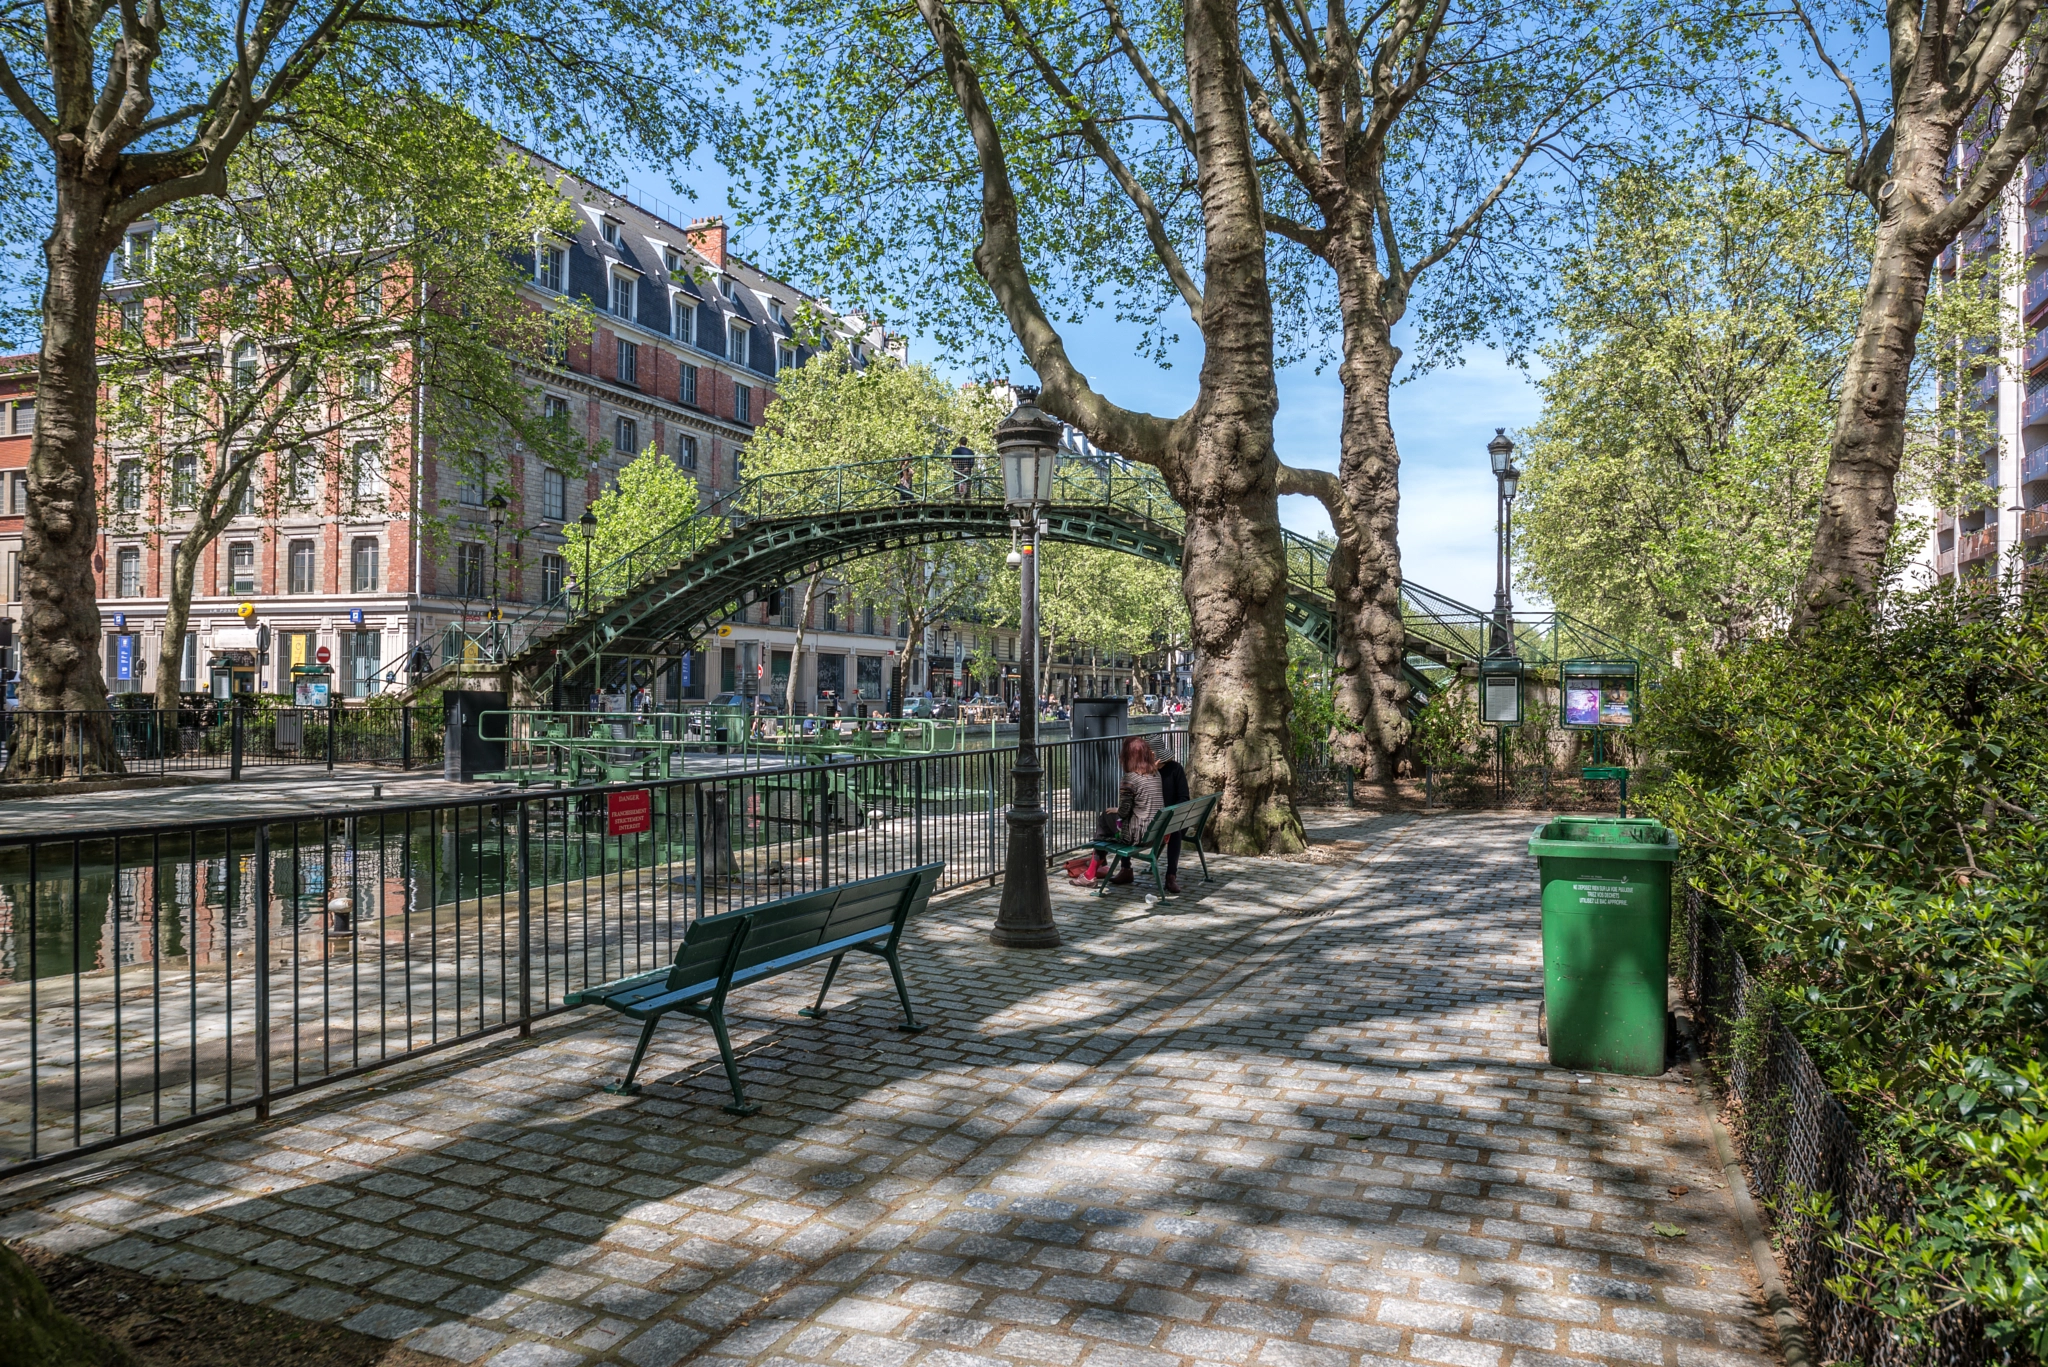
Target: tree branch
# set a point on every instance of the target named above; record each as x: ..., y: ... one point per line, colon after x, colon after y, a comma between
x: 1136, y: 58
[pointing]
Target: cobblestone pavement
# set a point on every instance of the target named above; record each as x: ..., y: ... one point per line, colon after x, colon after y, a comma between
x: 1298, y: 1118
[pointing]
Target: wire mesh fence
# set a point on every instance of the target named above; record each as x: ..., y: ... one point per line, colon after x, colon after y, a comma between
x: 152, y: 978
x: 1797, y: 1143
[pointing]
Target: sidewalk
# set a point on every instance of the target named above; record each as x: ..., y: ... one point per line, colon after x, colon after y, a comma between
x: 1298, y: 1118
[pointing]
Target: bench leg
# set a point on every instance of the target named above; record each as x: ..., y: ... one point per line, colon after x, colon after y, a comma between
x: 626, y: 1086
x: 1204, y: 856
x: 1158, y: 879
x: 910, y: 1025
x: 817, y: 1012
x: 732, y: 1067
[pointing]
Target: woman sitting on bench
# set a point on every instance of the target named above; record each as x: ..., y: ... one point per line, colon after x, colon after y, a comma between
x: 1138, y: 800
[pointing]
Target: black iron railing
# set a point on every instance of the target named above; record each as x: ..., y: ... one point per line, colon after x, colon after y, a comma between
x: 229, y: 739
x: 1797, y: 1142
x: 156, y: 977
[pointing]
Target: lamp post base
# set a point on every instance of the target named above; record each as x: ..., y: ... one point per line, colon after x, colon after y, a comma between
x: 1024, y: 919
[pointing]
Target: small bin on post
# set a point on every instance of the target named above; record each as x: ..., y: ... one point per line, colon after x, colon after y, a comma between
x: 1606, y: 941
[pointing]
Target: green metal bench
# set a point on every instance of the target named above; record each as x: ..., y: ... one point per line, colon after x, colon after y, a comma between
x: 1183, y: 819
x: 737, y: 948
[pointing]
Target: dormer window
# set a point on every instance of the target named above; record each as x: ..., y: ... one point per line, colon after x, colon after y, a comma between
x: 551, y: 267
x: 623, y: 292
x: 728, y: 287
x: 775, y: 310
x: 672, y: 261
x: 685, y: 307
x: 785, y: 356
x: 736, y: 341
x: 612, y: 229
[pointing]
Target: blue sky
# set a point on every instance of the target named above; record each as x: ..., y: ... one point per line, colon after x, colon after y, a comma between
x: 1443, y: 420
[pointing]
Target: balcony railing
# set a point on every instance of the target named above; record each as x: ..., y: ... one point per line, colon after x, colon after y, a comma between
x: 1972, y: 546
x: 2037, y: 183
x: 1984, y: 238
x: 2034, y: 465
x: 1944, y: 522
x: 2037, y: 234
x: 2036, y: 407
x: 1984, y: 390
x: 2034, y: 522
x: 1944, y: 562
x: 2037, y: 293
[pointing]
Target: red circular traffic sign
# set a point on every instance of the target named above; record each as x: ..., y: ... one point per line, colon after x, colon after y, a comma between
x: 322, y: 655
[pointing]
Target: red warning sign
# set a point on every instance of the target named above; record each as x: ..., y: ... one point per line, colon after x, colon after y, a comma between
x: 629, y: 813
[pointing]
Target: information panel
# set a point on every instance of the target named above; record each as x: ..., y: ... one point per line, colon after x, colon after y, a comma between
x: 1598, y: 693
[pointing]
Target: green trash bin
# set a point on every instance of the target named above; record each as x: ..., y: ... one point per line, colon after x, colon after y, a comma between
x: 1606, y: 941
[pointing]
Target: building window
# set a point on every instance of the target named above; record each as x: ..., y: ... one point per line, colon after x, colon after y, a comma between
x: 549, y: 265
x: 735, y: 465
x: 611, y: 228
x: 728, y: 287
x: 24, y: 417
x: 135, y: 256
x: 686, y: 388
x: 867, y: 619
x: 128, y: 572
x: 14, y: 576
x: 555, y: 407
x: 184, y: 481
x: 554, y: 495
x: 626, y: 435
x: 362, y: 565
x: 188, y: 664
x: 743, y: 403
x: 469, y: 569
x: 775, y: 310
x: 685, y: 309
x: 370, y: 292
x: 551, y: 567
x: 132, y: 314
x: 185, y: 322
x: 369, y: 381
x: 629, y: 362
x: 622, y: 296
x: 301, y: 567
x: 128, y: 487
x: 368, y: 474
x: 831, y: 612
x: 469, y: 488
x: 736, y: 341
x: 785, y: 356
x: 302, y: 475
x: 245, y: 365
x: 242, y: 567
x: 686, y: 451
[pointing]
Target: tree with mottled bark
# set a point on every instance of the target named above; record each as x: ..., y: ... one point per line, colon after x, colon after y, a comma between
x: 134, y: 108
x: 275, y: 347
x: 1423, y: 137
x: 1955, y: 110
x: 987, y: 184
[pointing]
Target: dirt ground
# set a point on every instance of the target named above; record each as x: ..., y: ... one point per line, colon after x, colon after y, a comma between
x: 164, y: 1324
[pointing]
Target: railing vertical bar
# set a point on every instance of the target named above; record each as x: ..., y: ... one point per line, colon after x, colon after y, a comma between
x: 115, y: 908
x: 35, y: 1012
x: 262, y: 984
x: 525, y: 920
x: 77, y: 1005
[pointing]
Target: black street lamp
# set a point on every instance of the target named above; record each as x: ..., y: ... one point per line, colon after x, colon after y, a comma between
x: 1027, y: 441
x: 589, y: 524
x: 1502, y: 453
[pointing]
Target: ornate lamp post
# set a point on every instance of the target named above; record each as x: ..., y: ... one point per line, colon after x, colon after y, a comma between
x: 1027, y: 442
x: 588, y: 522
x: 1502, y: 453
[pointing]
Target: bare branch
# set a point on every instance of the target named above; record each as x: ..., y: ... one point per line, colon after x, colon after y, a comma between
x: 1136, y: 58
x: 1820, y: 50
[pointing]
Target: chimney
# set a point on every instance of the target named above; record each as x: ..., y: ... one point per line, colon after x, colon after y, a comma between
x: 707, y: 237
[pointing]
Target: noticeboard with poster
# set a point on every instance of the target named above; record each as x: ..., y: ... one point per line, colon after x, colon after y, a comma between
x: 1598, y: 693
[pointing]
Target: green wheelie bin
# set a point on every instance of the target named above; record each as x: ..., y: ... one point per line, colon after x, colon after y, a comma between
x: 1606, y: 941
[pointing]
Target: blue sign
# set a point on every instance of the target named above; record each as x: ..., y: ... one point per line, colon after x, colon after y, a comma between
x: 688, y: 659
x: 355, y: 616
x: 124, y: 657
x: 120, y: 621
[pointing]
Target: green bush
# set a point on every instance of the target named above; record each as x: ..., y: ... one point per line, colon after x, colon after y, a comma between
x: 1869, y: 808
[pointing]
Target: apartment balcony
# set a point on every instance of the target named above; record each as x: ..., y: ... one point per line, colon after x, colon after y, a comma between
x: 1984, y: 389
x: 1974, y: 546
x: 2037, y: 235
x: 2034, y: 464
x: 1944, y: 562
x: 1983, y: 239
x: 2034, y: 522
x: 1946, y: 262
x: 2036, y: 407
x: 1944, y: 522
x: 2037, y: 183
x: 2037, y: 294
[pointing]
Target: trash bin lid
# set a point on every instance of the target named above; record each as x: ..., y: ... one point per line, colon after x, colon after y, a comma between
x: 1610, y: 837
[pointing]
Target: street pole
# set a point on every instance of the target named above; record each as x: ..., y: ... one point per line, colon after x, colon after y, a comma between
x: 1501, y: 452
x: 1028, y: 443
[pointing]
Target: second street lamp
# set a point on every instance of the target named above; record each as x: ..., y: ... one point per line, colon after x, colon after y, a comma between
x: 1501, y: 452
x: 1027, y: 441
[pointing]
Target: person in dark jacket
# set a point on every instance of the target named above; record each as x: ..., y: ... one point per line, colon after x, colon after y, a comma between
x: 1173, y: 787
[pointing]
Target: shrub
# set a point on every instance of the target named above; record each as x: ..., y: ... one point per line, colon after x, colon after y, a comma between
x: 1869, y: 808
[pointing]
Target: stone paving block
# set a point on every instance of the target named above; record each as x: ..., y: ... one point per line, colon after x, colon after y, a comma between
x: 1297, y: 1118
